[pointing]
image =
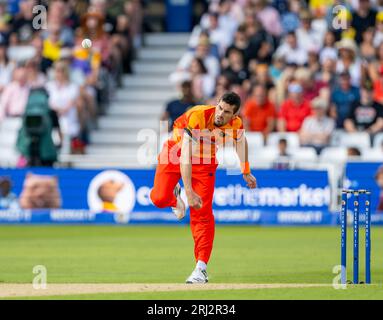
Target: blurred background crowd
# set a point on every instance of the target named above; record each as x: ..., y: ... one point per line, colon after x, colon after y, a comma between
x: 314, y: 68
x: 41, y: 47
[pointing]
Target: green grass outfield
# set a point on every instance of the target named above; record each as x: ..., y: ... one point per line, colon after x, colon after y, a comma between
x: 164, y: 254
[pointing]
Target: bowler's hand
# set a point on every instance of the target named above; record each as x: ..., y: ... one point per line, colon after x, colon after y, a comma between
x: 251, y: 181
x: 194, y: 200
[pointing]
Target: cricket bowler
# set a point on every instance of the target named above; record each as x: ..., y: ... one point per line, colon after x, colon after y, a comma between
x: 190, y: 154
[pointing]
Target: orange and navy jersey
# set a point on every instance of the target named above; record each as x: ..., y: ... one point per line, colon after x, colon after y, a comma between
x: 198, y: 123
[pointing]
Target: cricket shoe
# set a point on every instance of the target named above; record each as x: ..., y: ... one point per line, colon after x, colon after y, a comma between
x: 179, y: 210
x: 198, y: 276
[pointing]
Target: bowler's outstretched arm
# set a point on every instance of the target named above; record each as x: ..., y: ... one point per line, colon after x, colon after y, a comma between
x: 242, y: 149
x: 194, y: 199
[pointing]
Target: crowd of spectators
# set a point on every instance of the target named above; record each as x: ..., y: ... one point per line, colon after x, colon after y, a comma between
x: 41, y: 48
x: 311, y: 67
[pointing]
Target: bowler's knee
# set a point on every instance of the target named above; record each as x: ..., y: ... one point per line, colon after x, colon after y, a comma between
x: 158, y: 200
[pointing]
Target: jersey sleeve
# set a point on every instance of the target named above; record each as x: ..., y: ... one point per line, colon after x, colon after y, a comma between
x: 193, y: 126
x: 238, y: 129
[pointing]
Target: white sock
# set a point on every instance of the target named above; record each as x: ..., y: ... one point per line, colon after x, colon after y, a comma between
x: 201, y: 265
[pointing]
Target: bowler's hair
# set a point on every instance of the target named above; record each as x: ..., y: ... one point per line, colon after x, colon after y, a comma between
x: 233, y: 99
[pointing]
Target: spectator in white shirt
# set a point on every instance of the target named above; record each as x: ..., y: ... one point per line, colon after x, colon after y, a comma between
x: 6, y: 67
x: 234, y: 8
x: 291, y: 52
x: 317, y: 128
x: 328, y: 51
x: 36, y: 78
x: 228, y: 18
x: 307, y: 36
x: 269, y: 17
x: 217, y: 35
x: 15, y: 95
x: 202, y: 51
x: 202, y: 83
x: 63, y: 95
x: 349, y: 61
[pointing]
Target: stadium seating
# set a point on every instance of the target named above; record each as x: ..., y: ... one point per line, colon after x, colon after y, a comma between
x: 228, y: 158
x: 9, y: 129
x: 265, y: 155
x: 11, y: 124
x: 355, y: 139
x: 97, y: 161
x: 378, y: 140
x: 373, y: 154
x: 303, y: 154
x: 255, y: 140
x: 333, y: 155
x: 335, y: 137
x: 122, y: 131
x: 291, y: 137
x: 163, y: 138
x: 137, y: 105
x: 9, y: 158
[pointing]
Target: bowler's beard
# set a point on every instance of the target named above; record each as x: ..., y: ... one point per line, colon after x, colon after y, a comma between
x: 221, y: 124
x: 218, y: 125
